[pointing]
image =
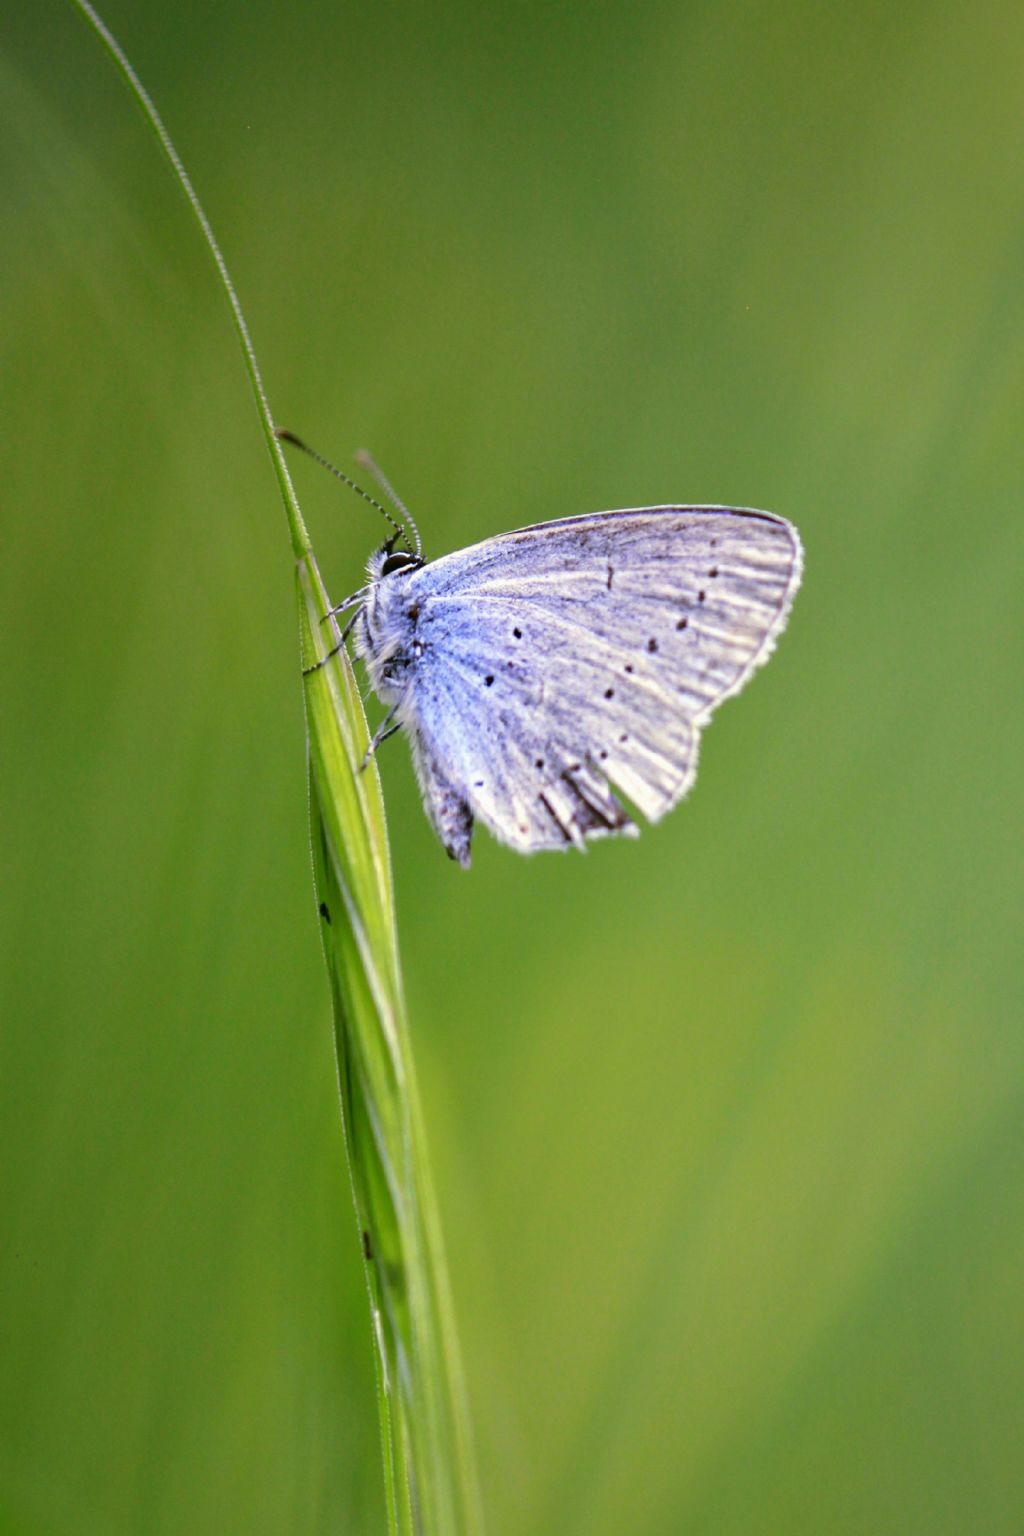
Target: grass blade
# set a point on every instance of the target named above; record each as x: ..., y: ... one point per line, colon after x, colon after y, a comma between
x: 430, y: 1483
x: 428, y: 1460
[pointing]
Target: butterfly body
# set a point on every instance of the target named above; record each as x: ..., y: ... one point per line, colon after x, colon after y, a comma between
x: 538, y: 671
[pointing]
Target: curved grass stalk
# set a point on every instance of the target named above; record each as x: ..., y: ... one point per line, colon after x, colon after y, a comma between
x: 430, y: 1482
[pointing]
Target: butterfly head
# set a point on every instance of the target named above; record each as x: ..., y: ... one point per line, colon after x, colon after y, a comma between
x: 388, y: 561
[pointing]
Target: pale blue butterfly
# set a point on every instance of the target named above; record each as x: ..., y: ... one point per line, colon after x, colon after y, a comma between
x: 539, y: 669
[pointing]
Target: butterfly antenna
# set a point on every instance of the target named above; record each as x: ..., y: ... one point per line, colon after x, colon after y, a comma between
x: 366, y: 458
x: 284, y: 436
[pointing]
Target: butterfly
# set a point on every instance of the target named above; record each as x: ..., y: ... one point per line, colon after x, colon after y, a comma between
x: 540, y: 671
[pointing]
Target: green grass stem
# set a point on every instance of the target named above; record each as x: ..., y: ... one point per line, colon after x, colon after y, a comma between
x: 430, y: 1482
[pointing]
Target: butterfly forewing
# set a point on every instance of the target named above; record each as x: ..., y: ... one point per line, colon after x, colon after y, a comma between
x: 574, y: 655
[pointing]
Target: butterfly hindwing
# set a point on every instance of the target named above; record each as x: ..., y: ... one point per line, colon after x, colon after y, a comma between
x: 565, y: 659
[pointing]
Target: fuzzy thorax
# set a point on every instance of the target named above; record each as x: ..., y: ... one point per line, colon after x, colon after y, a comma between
x: 385, y: 634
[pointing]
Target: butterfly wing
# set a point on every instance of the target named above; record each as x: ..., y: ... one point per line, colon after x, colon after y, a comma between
x: 569, y: 657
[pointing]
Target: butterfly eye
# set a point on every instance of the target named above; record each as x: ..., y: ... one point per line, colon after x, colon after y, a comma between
x: 400, y: 562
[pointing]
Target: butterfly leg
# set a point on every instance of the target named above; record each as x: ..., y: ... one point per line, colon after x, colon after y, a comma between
x: 357, y: 597
x: 383, y: 731
x: 340, y: 643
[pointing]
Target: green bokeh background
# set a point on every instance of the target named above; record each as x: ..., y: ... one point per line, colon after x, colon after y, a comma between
x: 729, y: 1122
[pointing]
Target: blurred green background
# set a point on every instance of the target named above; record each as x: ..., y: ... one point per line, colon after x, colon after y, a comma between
x: 728, y: 1123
